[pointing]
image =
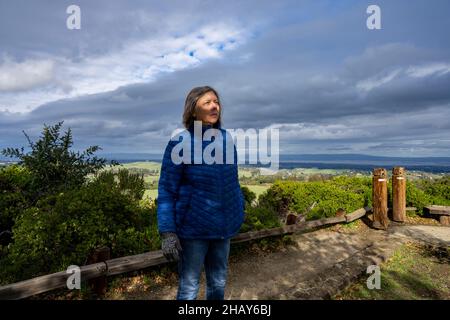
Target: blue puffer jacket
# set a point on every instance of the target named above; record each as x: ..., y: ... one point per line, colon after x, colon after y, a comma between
x: 200, y: 201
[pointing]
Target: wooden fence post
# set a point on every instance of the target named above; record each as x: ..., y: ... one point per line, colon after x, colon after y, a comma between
x: 398, y: 194
x: 379, y: 199
x: 291, y: 218
x: 98, y: 285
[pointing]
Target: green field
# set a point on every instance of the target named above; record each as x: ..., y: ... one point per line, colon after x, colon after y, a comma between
x: 258, y: 189
x: 152, y: 193
x: 150, y: 165
x: 151, y: 179
x: 243, y: 172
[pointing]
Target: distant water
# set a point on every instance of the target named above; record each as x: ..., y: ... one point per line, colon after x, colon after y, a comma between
x: 364, y: 167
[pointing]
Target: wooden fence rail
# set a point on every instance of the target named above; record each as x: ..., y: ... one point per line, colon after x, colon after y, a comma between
x: 442, y: 212
x: 27, y: 288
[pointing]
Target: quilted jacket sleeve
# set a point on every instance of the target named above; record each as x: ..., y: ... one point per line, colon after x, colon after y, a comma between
x: 168, y: 186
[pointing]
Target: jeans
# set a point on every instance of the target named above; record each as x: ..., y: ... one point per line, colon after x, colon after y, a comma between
x: 213, y: 255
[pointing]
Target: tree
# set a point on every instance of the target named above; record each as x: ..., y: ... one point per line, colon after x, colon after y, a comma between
x: 52, y: 165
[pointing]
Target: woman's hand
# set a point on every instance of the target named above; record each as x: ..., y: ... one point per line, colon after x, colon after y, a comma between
x: 171, y: 246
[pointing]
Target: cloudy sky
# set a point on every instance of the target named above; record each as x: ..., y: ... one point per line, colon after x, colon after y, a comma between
x: 312, y: 69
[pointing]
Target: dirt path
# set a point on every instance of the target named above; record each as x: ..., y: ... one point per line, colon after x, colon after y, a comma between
x: 317, y: 265
x: 435, y: 235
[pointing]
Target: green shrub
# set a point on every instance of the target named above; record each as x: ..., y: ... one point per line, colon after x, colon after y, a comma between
x: 58, y: 216
x: 416, y: 197
x: 249, y: 196
x: 62, y: 229
x: 14, y: 183
x: 438, y: 190
x: 257, y: 218
x: 346, y: 193
x: 357, y: 185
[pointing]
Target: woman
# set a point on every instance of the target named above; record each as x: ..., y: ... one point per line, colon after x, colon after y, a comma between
x: 200, y: 205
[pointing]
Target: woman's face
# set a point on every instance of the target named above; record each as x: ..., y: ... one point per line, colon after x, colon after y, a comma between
x: 207, y: 108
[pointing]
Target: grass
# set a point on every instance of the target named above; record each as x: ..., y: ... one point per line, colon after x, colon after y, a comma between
x: 150, y: 165
x: 151, y: 179
x: 258, y: 189
x: 152, y: 193
x: 244, y: 172
x: 414, y: 272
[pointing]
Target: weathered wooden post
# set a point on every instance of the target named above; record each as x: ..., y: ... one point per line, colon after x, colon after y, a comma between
x: 98, y: 285
x: 379, y: 199
x: 291, y: 218
x: 398, y: 194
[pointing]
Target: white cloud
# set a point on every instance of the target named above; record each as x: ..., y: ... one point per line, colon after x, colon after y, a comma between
x: 26, y: 75
x: 377, y: 81
x: 428, y: 70
x: 417, y: 71
x: 137, y: 62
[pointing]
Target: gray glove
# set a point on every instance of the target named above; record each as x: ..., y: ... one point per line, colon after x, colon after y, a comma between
x: 170, y: 246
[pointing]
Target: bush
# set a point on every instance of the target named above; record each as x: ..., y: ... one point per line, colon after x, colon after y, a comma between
x: 416, y: 197
x: 438, y: 190
x: 14, y: 182
x: 249, y: 196
x: 62, y: 229
x: 257, y: 218
x: 346, y: 193
x: 358, y: 185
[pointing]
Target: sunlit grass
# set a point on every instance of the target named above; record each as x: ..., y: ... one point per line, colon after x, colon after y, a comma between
x: 413, y: 272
